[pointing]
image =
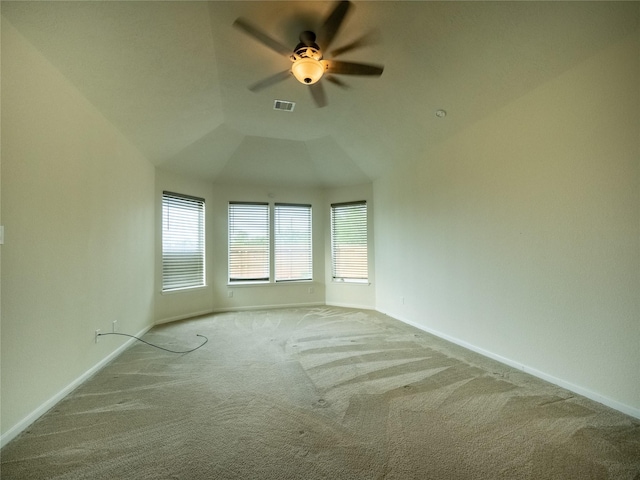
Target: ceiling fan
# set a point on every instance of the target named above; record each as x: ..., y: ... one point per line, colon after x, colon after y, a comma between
x: 309, y: 66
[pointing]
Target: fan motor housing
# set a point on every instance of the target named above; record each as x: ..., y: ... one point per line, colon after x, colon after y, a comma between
x: 307, y: 48
x: 305, y: 51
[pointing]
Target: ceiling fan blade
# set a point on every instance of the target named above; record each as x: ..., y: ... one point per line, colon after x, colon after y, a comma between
x: 272, y: 80
x: 336, y: 81
x: 365, y: 40
x: 262, y: 37
x: 350, y: 68
x: 318, y: 94
x: 332, y: 24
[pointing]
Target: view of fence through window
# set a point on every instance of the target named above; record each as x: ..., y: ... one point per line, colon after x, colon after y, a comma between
x: 293, y: 253
x: 248, y: 242
x: 250, y: 246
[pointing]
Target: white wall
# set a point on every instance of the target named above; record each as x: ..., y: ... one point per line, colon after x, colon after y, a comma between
x: 78, y: 212
x: 520, y: 236
x: 265, y: 295
x: 356, y: 295
x: 218, y: 295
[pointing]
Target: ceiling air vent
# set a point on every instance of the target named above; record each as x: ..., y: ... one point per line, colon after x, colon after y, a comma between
x: 283, y: 105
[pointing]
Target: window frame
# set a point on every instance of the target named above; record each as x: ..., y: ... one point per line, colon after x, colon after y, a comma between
x: 179, y: 275
x: 351, y: 272
x: 305, y: 248
x: 272, y: 278
x: 233, y: 278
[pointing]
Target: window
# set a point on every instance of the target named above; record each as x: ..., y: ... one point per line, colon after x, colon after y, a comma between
x: 182, y: 242
x: 349, y: 242
x: 249, y: 242
x: 292, y: 232
x: 251, y: 249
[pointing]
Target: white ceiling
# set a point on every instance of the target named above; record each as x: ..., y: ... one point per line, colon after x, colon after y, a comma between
x: 173, y: 77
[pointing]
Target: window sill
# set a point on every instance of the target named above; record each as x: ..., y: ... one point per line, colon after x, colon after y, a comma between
x: 268, y: 284
x: 183, y: 290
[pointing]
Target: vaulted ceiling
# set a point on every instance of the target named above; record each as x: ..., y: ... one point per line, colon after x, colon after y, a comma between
x: 173, y: 77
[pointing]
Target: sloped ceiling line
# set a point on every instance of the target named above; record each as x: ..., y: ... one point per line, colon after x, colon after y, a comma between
x: 172, y: 76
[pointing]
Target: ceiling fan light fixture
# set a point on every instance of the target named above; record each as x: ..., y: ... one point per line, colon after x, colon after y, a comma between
x: 308, y: 70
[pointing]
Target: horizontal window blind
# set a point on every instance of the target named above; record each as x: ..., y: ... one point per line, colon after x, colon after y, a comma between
x: 183, y: 241
x: 292, y: 232
x: 248, y: 242
x: 349, y: 241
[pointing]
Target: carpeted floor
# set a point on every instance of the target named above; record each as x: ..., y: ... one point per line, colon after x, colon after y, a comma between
x: 319, y: 393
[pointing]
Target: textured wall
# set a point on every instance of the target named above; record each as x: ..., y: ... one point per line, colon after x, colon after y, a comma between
x: 265, y: 295
x: 520, y: 235
x: 78, y: 212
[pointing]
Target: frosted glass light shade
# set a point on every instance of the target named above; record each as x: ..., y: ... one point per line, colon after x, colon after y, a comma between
x: 307, y: 70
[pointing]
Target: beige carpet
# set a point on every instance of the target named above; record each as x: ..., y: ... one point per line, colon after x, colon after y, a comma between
x: 319, y: 393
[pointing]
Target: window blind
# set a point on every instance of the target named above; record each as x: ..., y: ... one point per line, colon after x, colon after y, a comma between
x: 349, y: 241
x: 293, y: 253
x: 248, y: 242
x: 183, y: 241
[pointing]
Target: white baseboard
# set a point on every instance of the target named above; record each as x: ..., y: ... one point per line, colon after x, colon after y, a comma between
x: 268, y: 307
x: 183, y: 317
x: 621, y: 407
x: 46, y: 406
x: 23, y: 424
x: 350, y: 305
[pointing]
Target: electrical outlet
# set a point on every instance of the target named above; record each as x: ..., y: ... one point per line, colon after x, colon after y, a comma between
x: 230, y: 293
x: 97, y: 335
x: 114, y: 326
x: 311, y: 290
